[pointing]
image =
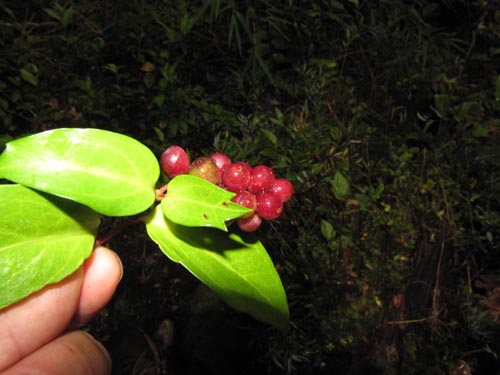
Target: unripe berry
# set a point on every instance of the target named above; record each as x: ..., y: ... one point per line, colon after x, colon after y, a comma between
x: 261, y: 179
x: 205, y: 168
x: 236, y: 177
x: 249, y: 224
x: 283, y: 188
x: 246, y: 199
x: 269, y: 206
x: 174, y: 161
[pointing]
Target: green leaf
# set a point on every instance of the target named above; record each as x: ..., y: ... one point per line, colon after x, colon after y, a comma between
x: 340, y: 185
x: 67, y: 17
x: 238, y: 269
x: 28, y: 77
x: 480, y: 131
x: 442, y: 104
x: 158, y: 100
x: 379, y: 190
x: 159, y: 133
x: 270, y: 136
x: 53, y: 13
x: 111, y: 173
x: 43, y: 239
x: 327, y: 230
x: 186, y: 24
x: 195, y: 202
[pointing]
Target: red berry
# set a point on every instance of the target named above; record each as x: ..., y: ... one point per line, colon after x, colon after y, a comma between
x: 246, y: 199
x: 222, y: 161
x: 174, y: 161
x: 204, y: 167
x: 283, y: 188
x: 261, y: 179
x: 249, y: 224
x: 236, y: 177
x: 269, y: 206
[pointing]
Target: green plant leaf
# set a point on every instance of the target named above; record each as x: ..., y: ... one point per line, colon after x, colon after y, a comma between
x: 237, y: 268
x: 327, y: 230
x: 53, y: 13
x: 28, y: 77
x: 340, y: 185
x: 43, y: 239
x: 497, y: 93
x: 67, y: 17
x: 111, y: 173
x: 270, y: 136
x: 195, y: 202
x: 159, y: 100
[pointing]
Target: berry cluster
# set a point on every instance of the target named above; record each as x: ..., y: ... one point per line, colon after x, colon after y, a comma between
x: 256, y: 188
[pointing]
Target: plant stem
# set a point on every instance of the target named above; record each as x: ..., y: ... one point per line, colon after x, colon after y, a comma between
x: 116, y: 230
x: 160, y: 193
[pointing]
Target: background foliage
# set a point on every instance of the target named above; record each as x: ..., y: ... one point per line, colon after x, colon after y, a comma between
x: 384, y: 114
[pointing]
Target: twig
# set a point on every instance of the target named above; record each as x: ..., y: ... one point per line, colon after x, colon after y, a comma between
x: 410, y: 321
x: 436, y: 290
x: 116, y: 230
x: 160, y: 193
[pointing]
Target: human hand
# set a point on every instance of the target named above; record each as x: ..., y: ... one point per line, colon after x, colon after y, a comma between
x: 35, y: 335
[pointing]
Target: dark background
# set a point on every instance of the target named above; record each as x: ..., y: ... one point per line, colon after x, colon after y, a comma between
x: 384, y: 115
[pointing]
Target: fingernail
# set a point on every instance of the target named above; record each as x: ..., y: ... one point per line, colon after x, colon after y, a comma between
x: 121, y: 264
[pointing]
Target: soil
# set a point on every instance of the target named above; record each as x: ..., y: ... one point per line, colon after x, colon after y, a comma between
x: 162, y: 320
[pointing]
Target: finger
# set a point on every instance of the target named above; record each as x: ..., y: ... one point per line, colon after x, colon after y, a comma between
x: 75, y: 353
x: 103, y: 271
x: 34, y: 321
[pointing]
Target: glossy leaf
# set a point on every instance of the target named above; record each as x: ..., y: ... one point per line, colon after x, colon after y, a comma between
x: 327, y: 230
x: 340, y: 185
x: 43, y: 239
x: 113, y: 174
x: 195, y: 202
x: 237, y: 268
